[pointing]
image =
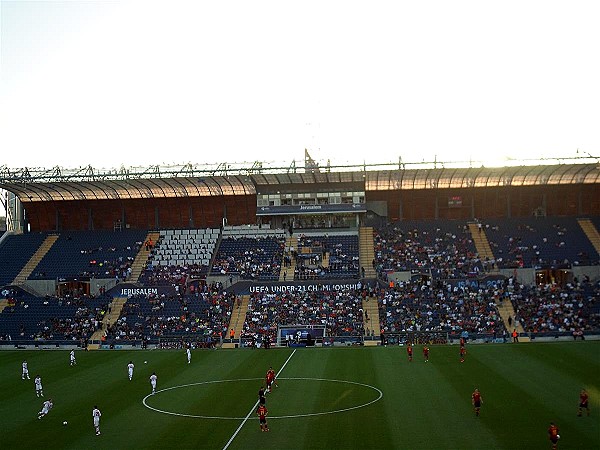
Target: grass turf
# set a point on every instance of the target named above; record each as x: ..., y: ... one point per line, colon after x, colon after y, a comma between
x: 424, y: 405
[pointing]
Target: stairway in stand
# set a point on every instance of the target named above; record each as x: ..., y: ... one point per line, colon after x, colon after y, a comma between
x: 482, y: 245
x: 35, y: 259
x: 139, y: 263
x: 287, y: 273
x: 591, y: 232
x: 325, y: 261
x: 506, y: 310
x: 367, y: 252
x: 3, y: 304
x: 371, y: 310
x: 238, y: 317
x: 115, y: 307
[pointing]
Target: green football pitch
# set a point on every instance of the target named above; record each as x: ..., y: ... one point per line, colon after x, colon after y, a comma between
x: 327, y: 398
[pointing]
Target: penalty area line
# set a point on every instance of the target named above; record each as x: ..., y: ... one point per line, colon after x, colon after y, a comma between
x: 254, y: 407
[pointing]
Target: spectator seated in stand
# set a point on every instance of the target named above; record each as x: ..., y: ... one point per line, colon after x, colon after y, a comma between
x: 206, y: 313
x: 445, y: 248
x: 339, y: 311
x: 550, y: 308
x: 250, y: 258
x: 544, y: 242
x: 70, y: 317
x: 90, y: 254
x: 418, y: 307
x: 339, y: 250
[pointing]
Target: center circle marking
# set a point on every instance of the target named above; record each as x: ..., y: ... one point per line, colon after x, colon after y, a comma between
x: 336, y: 411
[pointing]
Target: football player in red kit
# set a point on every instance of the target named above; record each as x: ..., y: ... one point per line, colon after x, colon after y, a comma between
x: 476, y: 400
x: 262, y: 412
x: 270, y: 379
x: 553, y: 435
x: 583, y: 402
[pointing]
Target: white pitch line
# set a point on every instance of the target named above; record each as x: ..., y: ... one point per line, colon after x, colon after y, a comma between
x: 255, y: 405
x: 290, y: 416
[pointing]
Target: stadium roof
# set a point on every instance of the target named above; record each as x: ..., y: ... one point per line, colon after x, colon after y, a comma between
x: 445, y: 178
x: 188, y: 181
x: 130, y: 189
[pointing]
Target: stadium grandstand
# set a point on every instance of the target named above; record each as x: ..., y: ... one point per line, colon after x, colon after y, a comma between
x: 236, y: 254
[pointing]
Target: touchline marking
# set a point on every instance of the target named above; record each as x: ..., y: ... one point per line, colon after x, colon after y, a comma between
x: 255, y: 405
x: 290, y: 416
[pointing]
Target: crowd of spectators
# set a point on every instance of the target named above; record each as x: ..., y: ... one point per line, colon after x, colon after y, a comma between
x: 100, y: 262
x: 549, y: 308
x: 117, y: 267
x: 86, y: 320
x: 538, y: 243
x: 179, y: 277
x: 340, y: 311
x: 307, y: 271
x: 341, y: 253
x: 66, y: 317
x: 309, y: 257
x: 440, y: 307
x: 447, y: 254
x: 424, y: 308
x: 192, y: 343
x: 205, y: 313
x: 250, y: 258
x: 344, y: 258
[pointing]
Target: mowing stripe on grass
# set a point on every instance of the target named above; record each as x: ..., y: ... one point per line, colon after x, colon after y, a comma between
x: 254, y: 407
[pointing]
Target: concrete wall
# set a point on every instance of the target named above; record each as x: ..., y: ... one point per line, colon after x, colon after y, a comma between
x: 399, y: 276
x: 107, y: 283
x: 42, y: 287
x: 527, y: 276
x: 524, y: 276
x: 591, y: 271
x: 379, y: 207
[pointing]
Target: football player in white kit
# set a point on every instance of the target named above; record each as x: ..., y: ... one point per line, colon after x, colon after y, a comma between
x: 46, y: 407
x: 130, y: 367
x: 72, y: 355
x: 38, y: 386
x: 153, y: 379
x: 189, y: 354
x: 25, y: 371
x: 96, y: 414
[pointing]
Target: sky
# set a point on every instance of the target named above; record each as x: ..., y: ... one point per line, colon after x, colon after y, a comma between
x: 139, y: 83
